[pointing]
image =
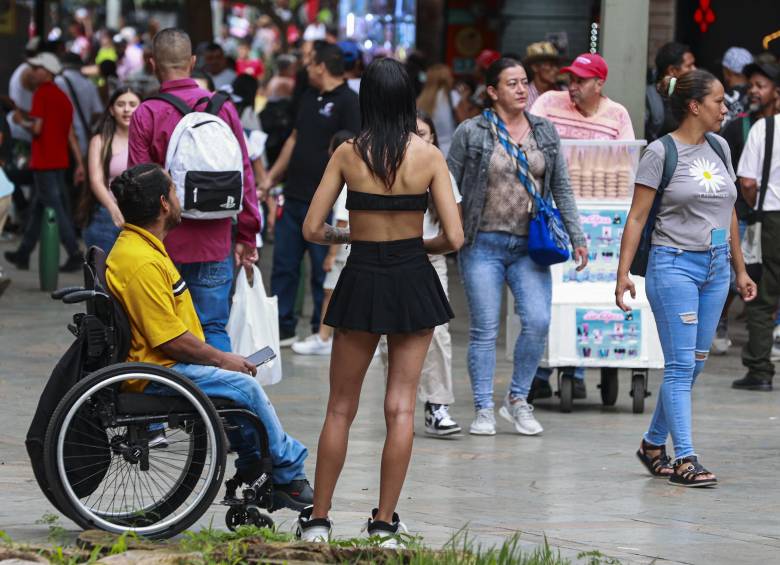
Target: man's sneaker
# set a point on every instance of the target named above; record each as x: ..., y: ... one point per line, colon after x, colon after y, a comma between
x: 316, y: 530
x: 74, y: 263
x: 579, y: 391
x: 386, y: 535
x: 438, y: 421
x: 750, y: 382
x: 521, y: 414
x: 721, y: 343
x: 484, y: 423
x: 313, y: 345
x: 296, y: 495
x: 287, y: 338
x: 540, y: 388
x: 18, y: 260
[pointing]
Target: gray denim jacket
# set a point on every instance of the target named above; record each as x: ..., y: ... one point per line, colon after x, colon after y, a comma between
x: 469, y: 158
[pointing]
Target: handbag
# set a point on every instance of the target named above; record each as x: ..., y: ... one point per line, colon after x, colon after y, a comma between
x: 751, y: 243
x: 254, y: 323
x: 548, y: 241
x: 642, y: 255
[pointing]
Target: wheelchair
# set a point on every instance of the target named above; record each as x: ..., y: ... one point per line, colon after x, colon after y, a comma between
x: 125, y: 461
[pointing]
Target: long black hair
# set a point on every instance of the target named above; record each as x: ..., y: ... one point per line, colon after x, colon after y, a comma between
x: 425, y: 118
x: 387, y: 112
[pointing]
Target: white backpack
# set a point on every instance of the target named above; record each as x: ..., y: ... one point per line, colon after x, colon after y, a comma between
x: 204, y: 160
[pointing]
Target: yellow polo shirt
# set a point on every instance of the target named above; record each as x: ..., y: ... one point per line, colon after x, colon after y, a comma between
x: 153, y: 294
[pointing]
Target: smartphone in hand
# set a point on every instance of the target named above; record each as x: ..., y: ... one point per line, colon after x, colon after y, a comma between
x: 262, y: 356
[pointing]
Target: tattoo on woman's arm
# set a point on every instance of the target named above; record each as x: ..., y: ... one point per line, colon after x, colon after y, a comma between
x: 336, y: 235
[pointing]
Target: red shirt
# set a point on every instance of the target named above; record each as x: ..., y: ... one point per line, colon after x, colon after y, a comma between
x: 252, y: 67
x: 193, y: 241
x: 50, y: 147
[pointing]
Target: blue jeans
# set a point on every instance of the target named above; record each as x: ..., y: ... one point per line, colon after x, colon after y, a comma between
x: 209, y: 285
x: 495, y: 258
x: 686, y: 291
x: 101, y: 230
x: 50, y: 189
x: 289, y: 248
x: 287, y: 453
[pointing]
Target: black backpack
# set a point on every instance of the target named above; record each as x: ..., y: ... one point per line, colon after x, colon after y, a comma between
x: 639, y: 264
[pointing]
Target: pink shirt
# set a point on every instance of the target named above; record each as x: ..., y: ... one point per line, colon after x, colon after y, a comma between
x: 611, y: 121
x: 194, y: 241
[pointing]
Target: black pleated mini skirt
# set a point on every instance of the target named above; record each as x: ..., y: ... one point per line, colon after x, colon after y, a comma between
x: 388, y: 287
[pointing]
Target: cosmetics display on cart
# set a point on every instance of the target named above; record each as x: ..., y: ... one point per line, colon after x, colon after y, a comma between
x: 587, y: 329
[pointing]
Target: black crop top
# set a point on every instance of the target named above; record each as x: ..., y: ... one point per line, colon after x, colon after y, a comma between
x: 403, y: 203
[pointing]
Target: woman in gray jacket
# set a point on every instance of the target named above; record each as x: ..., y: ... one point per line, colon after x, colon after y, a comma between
x: 496, y: 211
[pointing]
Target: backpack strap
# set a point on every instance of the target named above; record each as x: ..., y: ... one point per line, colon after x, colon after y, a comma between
x: 717, y: 148
x: 768, y: 147
x: 670, y: 163
x: 745, y: 128
x: 216, y: 103
x: 174, y: 101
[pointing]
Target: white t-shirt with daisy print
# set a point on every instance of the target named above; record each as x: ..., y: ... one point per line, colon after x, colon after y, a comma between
x: 699, y: 198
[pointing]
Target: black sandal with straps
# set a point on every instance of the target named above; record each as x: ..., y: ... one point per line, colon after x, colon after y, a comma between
x: 655, y: 465
x: 690, y: 469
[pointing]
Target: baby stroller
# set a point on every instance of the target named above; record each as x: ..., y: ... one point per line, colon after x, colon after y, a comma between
x: 124, y: 461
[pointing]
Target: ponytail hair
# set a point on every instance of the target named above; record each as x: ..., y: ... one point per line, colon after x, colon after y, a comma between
x: 679, y: 91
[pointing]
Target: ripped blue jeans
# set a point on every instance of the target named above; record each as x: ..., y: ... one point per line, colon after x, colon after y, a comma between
x: 686, y: 291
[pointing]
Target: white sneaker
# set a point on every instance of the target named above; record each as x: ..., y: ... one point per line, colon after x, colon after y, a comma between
x: 720, y: 345
x: 438, y: 421
x: 484, y: 423
x: 315, y: 530
x: 312, y: 345
x: 521, y: 414
x: 386, y: 535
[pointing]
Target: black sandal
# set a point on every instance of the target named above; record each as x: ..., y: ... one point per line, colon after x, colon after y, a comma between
x: 691, y: 468
x: 655, y: 465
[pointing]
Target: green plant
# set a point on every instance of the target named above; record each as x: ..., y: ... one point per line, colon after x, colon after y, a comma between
x: 4, y: 537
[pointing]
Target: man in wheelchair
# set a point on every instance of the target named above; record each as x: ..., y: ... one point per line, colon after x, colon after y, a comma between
x: 165, y: 331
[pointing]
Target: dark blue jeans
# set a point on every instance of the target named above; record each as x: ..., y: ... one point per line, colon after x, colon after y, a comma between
x: 49, y: 189
x: 209, y: 285
x: 289, y: 247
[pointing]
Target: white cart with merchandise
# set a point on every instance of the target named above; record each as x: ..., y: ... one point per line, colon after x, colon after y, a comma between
x: 587, y: 329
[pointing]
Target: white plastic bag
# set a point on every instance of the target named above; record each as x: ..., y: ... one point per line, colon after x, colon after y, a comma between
x: 254, y: 324
x: 751, y: 248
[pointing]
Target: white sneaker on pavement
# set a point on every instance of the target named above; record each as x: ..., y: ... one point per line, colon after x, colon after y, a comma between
x: 438, y: 421
x: 484, y: 423
x: 312, y: 345
x: 386, y: 535
x: 521, y: 414
x: 317, y: 530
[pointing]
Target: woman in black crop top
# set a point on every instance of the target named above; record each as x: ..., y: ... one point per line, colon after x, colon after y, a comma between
x: 388, y: 285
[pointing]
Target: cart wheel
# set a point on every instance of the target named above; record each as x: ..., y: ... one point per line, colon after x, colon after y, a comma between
x: 257, y: 518
x: 566, y: 392
x: 638, y: 392
x: 609, y: 386
x: 235, y: 517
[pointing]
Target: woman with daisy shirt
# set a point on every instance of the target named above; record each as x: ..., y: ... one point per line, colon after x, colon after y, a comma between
x: 687, y: 280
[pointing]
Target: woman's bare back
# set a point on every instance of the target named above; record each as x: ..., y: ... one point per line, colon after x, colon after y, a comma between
x: 414, y: 176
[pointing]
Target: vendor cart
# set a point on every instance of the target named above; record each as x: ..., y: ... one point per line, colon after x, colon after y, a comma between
x: 587, y: 329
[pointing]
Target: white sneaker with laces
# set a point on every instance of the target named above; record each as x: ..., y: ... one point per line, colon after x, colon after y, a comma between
x: 313, y: 345
x: 484, y: 423
x: 521, y: 414
x: 438, y: 421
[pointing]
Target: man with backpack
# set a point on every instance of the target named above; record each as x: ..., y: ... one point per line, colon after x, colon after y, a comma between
x: 759, y: 176
x: 213, y: 174
x: 763, y: 94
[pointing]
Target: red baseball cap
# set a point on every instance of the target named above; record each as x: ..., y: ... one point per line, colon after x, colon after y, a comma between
x: 487, y: 57
x: 588, y: 65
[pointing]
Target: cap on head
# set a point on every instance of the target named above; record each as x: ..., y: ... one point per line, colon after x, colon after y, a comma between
x: 540, y: 52
x: 487, y: 57
x: 48, y: 61
x: 769, y: 70
x: 588, y: 65
x: 736, y: 59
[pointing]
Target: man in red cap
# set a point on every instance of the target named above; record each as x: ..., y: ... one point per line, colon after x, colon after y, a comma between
x: 584, y: 112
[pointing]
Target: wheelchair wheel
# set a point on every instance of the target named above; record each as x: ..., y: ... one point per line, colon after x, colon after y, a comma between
x: 151, y: 466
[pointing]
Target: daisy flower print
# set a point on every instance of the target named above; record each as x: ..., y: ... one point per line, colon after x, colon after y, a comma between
x: 705, y: 172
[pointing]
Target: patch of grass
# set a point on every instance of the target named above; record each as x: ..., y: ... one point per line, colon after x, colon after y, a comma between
x: 57, y: 534
x: 4, y: 537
